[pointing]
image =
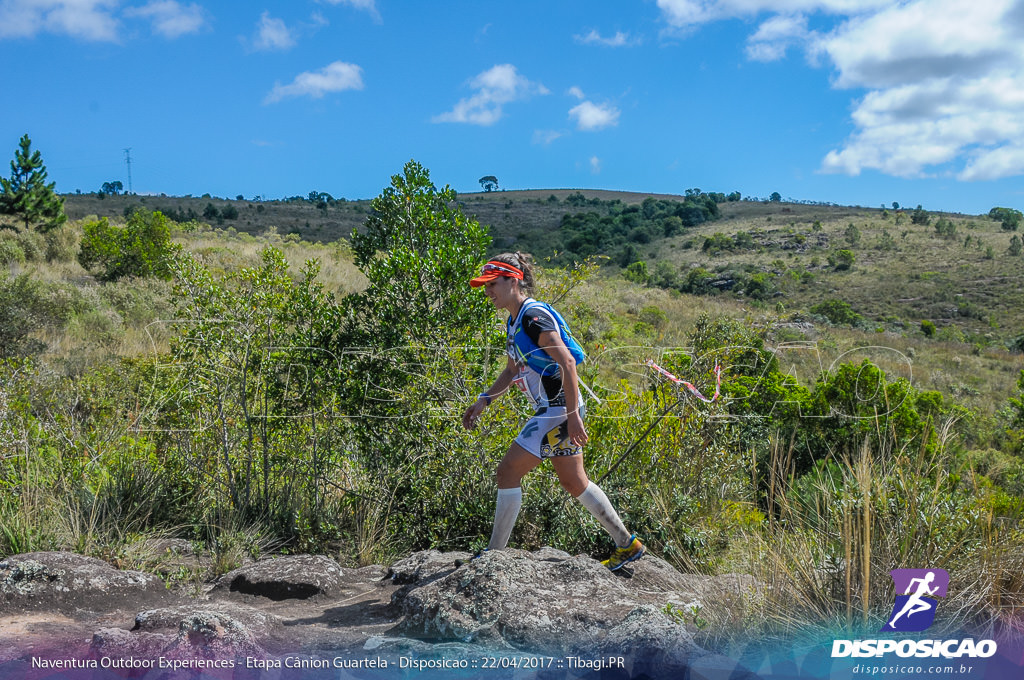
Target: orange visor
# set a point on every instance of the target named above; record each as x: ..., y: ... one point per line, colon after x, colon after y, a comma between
x: 493, y: 270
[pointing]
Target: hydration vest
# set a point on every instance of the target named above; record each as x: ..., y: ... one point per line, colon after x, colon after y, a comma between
x: 531, y: 354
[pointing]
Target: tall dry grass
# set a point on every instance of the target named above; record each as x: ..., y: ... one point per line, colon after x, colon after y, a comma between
x: 823, y: 557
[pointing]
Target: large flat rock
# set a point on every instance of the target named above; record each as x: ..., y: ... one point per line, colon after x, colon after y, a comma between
x: 67, y: 582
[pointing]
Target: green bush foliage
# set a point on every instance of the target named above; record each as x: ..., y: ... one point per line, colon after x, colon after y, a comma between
x: 62, y: 244
x: 142, y: 247
x: 10, y: 249
x: 837, y: 312
x: 1015, y: 246
x: 842, y: 259
x: 1009, y: 218
x: 29, y: 307
x: 945, y: 228
x: 637, y: 273
x: 852, y: 234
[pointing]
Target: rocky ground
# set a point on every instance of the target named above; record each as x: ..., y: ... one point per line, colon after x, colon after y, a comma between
x: 513, y: 603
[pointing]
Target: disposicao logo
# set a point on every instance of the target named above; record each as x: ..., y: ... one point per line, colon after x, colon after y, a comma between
x: 917, y: 593
x: 915, y: 609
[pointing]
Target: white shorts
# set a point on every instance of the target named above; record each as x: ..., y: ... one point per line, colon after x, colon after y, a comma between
x: 546, y: 434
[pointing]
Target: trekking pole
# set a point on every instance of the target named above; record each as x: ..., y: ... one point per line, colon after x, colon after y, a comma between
x: 639, y: 439
x: 668, y: 409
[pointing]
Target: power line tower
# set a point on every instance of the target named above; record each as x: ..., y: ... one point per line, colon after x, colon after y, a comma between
x: 128, y: 160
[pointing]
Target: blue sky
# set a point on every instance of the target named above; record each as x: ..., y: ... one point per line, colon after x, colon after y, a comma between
x: 859, y: 102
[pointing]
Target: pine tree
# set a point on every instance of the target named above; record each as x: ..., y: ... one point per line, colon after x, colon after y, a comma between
x: 26, y: 195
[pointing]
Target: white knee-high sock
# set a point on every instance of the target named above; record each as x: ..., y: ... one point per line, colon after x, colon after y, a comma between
x: 594, y: 500
x: 505, y: 513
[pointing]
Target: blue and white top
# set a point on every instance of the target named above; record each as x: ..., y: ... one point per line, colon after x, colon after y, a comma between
x: 540, y: 377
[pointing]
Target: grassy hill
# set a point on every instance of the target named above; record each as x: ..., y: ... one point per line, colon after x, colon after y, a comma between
x: 770, y: 255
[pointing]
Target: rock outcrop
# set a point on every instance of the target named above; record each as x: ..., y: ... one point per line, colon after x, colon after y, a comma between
x: 297, y: 577
x: 70, y: 583
x: 549, y: 602
x: 189, y: 631
x: 508, y: 602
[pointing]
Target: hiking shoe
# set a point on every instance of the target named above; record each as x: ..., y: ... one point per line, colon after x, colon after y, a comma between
x: 623, y: 556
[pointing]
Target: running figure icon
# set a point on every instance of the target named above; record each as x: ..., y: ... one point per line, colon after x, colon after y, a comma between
x: 916, y: 603
x: 917, y: 596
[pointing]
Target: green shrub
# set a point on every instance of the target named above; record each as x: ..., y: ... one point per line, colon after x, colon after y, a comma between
x: 665, y: 275
x: 28, y: 306
x: 142, y: 247
x: 62, y: 244
x: 19, y: 316
x: 698, y: 281
x: 718, y: 242
x: 842, y: 259
x: 759, y: 286
x: 138, y: 301
x: 653, y: 316
x: 10, y: 250
x: 852, y: 234
x: 1009, y: 218
x: 837, y: 312
x: 1015, y: 246
x: 945, y: 228
x: 637, y: 273
x: 33, y: 244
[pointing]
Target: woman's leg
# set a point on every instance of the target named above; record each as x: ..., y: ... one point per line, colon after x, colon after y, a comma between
x: 574, y: 480
x: 511, y: 470
x: 514, y: 466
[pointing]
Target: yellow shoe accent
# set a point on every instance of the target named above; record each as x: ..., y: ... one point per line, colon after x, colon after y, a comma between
x: 623, y: 556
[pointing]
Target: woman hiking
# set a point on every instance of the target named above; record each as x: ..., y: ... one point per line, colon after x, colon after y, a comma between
x: 541, y: 362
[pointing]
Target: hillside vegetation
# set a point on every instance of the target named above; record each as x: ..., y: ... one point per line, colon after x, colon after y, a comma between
x: 958, y: 272
x: 288, y: 376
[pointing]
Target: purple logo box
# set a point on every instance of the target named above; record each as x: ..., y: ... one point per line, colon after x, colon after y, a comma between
x: 939, y: 581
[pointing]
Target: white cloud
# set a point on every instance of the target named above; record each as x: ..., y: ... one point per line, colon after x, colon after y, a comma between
x: 501, y: 84
x: 943, y: 80
x: 1005, y: 161
x: 590, y: 116
x: 83, y: 19
x: 775, y: 36
x: 545, y: 137
x: 368, y: 6
x: 687, y: 14
x: 170, y: 19
x: 335, y: 77
x: 272, y: 34
x: 595, y: 165
x: 576, y: 92
x: 95, y: 20
x: 620, y: 39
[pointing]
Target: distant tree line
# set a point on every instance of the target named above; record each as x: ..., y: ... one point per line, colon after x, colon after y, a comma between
x: 319, y: 199
x: 615, y: 228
